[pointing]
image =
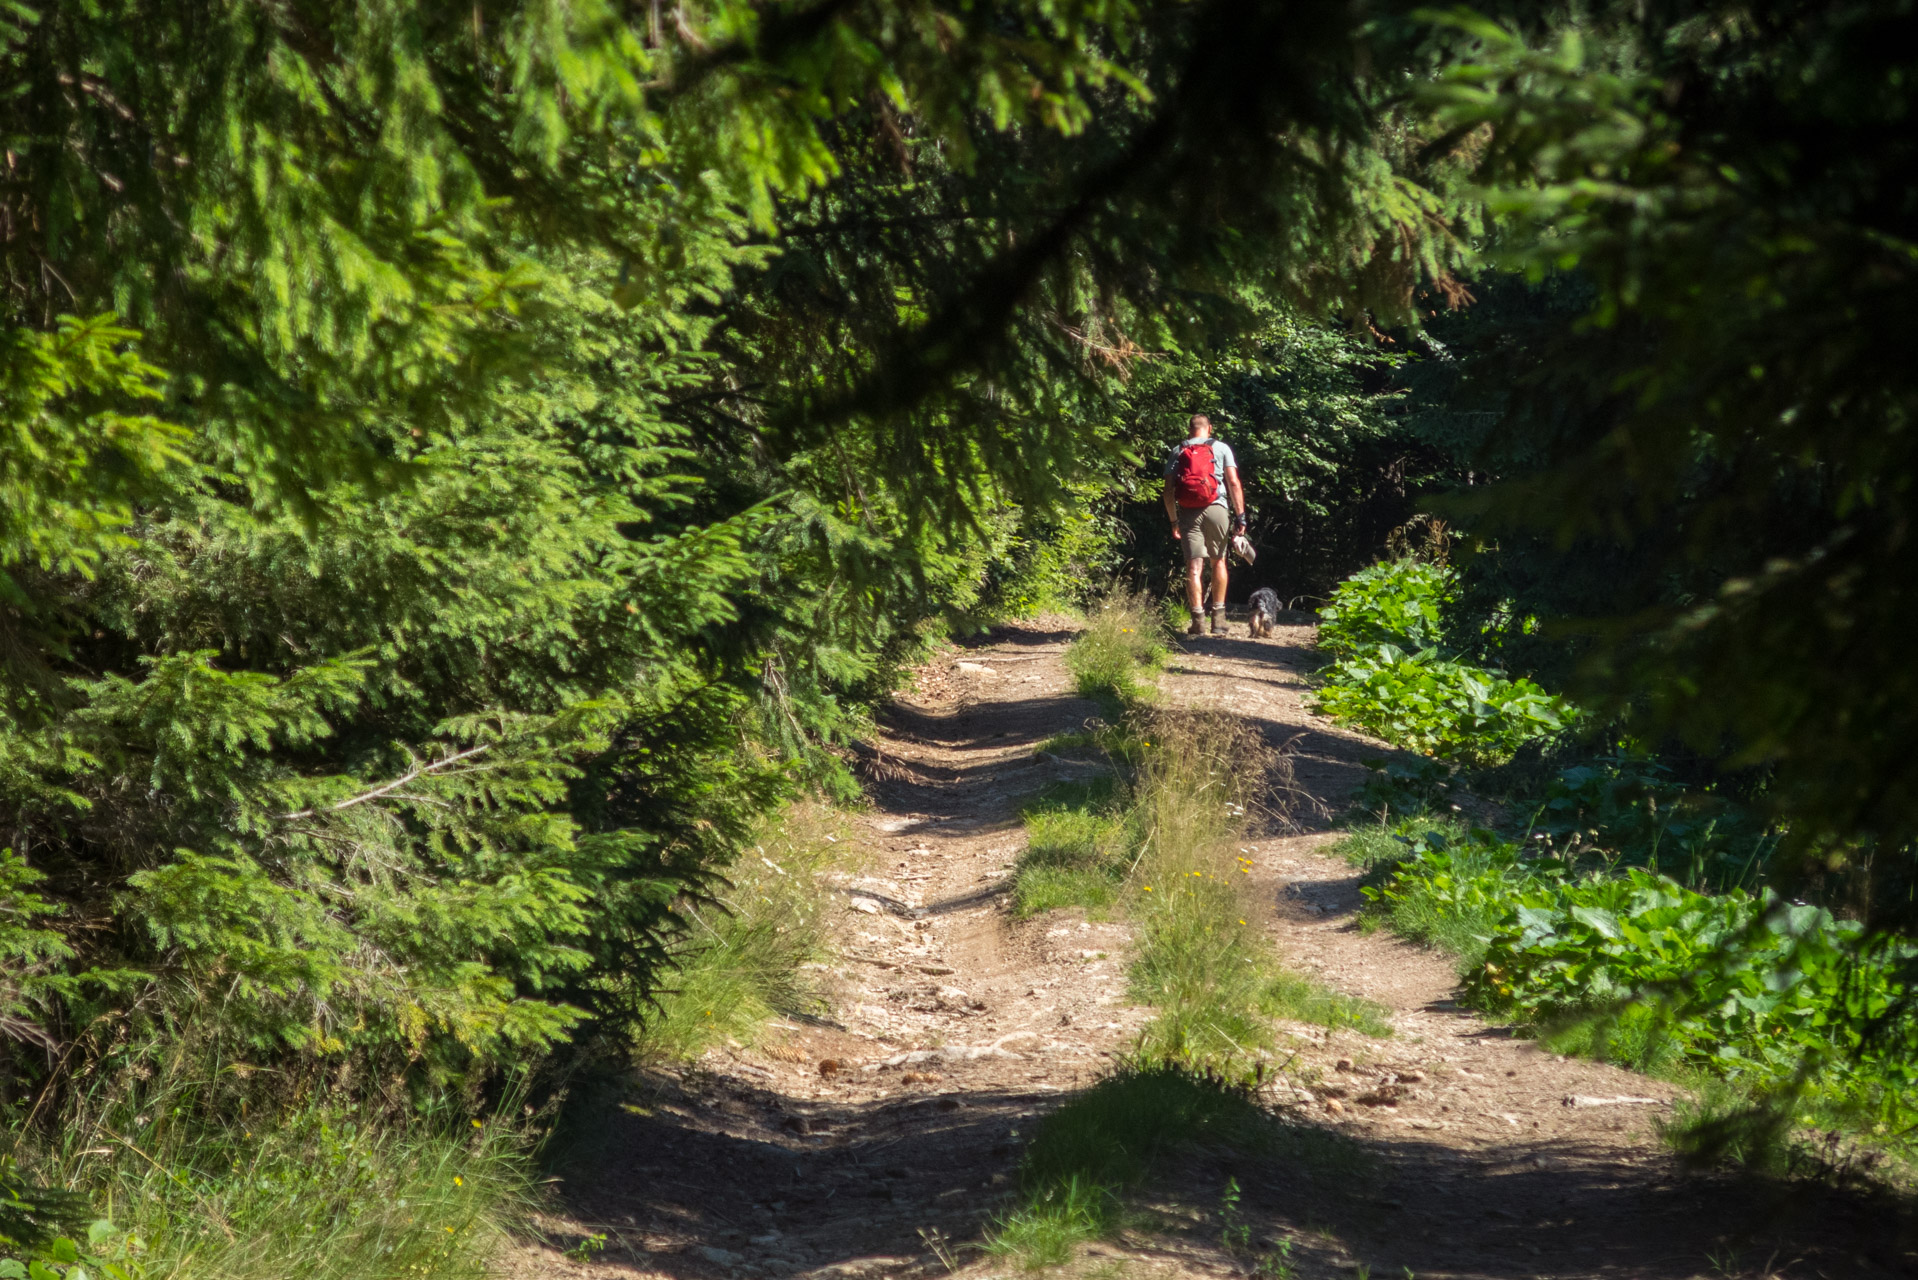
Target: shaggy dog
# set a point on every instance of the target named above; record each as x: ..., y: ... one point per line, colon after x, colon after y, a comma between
x: 1265, y: 612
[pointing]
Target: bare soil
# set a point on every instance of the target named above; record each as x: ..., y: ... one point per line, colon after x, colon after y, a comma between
x: 883, y: 1141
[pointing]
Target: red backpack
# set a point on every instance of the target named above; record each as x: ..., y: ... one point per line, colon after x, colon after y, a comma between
x: 1193, y: 481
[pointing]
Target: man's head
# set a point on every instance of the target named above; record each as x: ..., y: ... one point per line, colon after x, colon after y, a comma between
x: 1201, y: 425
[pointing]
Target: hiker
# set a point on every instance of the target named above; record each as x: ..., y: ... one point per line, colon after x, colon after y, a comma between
x: 1200, y: 473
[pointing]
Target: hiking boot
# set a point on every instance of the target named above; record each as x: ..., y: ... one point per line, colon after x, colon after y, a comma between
x: 1218, y: 621
x: 1198, y: 625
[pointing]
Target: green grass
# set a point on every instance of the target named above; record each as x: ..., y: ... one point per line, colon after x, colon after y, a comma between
x: 1116, y: 1132
x: 1076, y: 849
x: 1053, y: 1221
x: 1218, y: 985
x: 1457, y: 925
x: 1121, y: 643
x: 747, y: 960
x: 1108, y: 1140
x: 1042, y: 889
x: 1161, y: 845
x: 1213, y: 977
x: 1121, y: 1133
x: 1294, y: 996
x: 319, y: 1192
x: 1174, y: 615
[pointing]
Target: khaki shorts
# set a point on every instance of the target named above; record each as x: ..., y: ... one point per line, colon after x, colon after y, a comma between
x: 1204, y: 532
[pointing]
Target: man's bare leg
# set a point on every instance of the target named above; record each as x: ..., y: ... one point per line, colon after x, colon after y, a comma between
x: 1218, y: 596
x: 1195, y: 591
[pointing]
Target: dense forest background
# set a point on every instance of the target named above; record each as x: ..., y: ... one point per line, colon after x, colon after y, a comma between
x: 465, y: 465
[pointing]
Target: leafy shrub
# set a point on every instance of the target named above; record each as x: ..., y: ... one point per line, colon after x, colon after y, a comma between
x: 1395, y: 602
x: 1441, y: 708
x: 1391, y: 677
x: 1403, y: 787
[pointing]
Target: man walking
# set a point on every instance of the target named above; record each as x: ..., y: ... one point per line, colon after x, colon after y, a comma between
x: 1200, y: 474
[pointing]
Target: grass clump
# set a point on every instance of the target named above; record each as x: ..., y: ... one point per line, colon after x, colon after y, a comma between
x: 1122, y: 1132
x: 1110, y: 1139
x: 1299, y: 998
x: 1054, y: 1220
x: 1213, y: 977
x: 1076, y: 849
x: 1123, y: 639
x: 753, y: 949
x: 1162, y: 844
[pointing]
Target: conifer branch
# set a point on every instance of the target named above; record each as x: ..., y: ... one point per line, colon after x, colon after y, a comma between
x: 419, y: 771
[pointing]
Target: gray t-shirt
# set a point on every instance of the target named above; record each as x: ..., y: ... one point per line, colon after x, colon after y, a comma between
x: 1221, y: 459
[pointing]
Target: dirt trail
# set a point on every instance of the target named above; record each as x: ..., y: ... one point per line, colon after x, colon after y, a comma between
x: 881, y: 1143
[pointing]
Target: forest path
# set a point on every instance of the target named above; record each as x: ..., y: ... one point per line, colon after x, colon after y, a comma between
x: 882, y: 1142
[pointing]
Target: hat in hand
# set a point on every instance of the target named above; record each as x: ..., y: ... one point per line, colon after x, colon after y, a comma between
x: 1242, y: 548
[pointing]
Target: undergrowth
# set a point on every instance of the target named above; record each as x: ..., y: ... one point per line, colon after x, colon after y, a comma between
x: 1782, y: 1015
x: 316, y: 1191
x: 753, y: 956
x: 1393, y: 675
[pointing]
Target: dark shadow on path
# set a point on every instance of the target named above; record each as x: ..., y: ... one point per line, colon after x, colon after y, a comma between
x: 725, y: 1179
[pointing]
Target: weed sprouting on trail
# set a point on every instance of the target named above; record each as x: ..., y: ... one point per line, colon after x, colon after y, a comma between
x: 1214, y: 979
x: 1123, y: 637
x: 1054, y: 1220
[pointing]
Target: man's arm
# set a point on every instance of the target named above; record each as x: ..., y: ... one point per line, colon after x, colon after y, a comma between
x: 1171, y: 506
x: 1232, y: 488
